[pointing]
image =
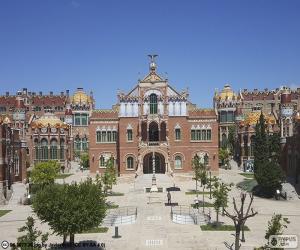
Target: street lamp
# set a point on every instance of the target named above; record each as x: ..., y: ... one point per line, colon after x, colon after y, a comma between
x: 209, y: 184
x: 153, y: 187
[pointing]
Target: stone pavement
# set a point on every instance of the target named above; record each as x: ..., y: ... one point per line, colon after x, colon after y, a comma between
x: 154, y: 228
x: 19, y: 190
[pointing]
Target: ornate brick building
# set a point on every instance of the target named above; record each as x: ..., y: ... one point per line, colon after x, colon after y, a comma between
x: 230, y: 105
x: 50, y: 139
x: 12, y: 157
x: 153, y: 120
x: 73, y: 110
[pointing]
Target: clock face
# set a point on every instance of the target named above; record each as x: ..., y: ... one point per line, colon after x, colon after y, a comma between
x: 53, y: 130
x: 287, y: 112
x: 44, y: 130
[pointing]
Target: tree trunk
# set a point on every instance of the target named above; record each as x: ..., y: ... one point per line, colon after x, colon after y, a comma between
x: 72, y: 241
x: 203, y: 199
x: 217, y: 217
x: 243, y: 233
x: 237, y: 237
x: 64, y: 239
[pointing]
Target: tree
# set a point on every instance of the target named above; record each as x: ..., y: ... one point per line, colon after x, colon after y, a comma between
x: 267, y: 171
x: 276, y: 225
x: 220, y: 194
x: 232, y: 138
x: 44, y: 173
x: 29, y: 241
x: 224, y: 156
x: 109, y: 178
x: 239, y: 217
x: 70, y: 209
x: 84, y: 160
x: 197, y: 169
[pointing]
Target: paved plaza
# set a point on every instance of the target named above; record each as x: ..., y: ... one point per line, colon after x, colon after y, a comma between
x: 153, y: 228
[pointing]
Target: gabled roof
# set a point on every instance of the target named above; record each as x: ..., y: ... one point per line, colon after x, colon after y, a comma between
x: 152, y: 77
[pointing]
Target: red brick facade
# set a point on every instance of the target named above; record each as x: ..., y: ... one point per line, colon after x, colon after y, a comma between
x: 153, y: 118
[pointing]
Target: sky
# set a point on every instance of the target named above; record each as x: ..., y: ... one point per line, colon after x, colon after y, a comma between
x: 102, y: 45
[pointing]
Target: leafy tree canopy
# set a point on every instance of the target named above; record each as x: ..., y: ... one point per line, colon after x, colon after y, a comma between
x: 44, y: 173
x: 71, y: 209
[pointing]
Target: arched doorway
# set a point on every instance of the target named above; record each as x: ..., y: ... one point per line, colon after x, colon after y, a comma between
x: 160, y: 166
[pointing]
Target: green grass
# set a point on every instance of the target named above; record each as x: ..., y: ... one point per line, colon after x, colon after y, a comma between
x: 63, y: 176
x: 206, y: 204
x: 4, y: 212
x: 247, y: 184
x: 213, y: 227
x: 194, y: 192
x: 248, y: 175
x: 96, y: 230
x: 115, y: 194
x: 111, y: 206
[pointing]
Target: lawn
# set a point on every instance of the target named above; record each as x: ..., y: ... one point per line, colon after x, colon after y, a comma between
x: 206, y: 204
x: 248, y: 175
x: 214, y: 227
x: 198, y: 192
x: 4, y: 212
x: 63, y: 176
x: 96, y: 230
x: 115, y: 194
x: 247, y: 184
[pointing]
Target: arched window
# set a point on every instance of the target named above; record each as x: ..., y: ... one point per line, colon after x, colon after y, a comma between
x: 78, y: 144
x: 177, y: 134
x: 208, y: 134
x: 178, y: 162
x: 53, y: 149
x: 153, y: 104
x: 102, y: 162
x: 84, y: 144
x: 16, y: 163
x: 203, y: 132
x: 36, y: 149
x: 62, y: 149
x: 224, y: 141
x: 153, y: 132
x: 44, y: 149
x: 98, y: 133
x: 129, y: 163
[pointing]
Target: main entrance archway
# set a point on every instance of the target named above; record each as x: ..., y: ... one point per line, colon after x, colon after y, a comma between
x: 160, y: 165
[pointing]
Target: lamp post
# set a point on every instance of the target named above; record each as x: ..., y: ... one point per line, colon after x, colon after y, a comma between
x: 153, y: 187
x: 209, y: 184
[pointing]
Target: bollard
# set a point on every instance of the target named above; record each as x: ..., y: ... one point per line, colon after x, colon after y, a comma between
x: 116, y: 236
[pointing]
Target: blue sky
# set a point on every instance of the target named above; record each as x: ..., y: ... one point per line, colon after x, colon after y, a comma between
x: 102, y: 45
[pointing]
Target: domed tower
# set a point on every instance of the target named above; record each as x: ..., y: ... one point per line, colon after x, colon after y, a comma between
x: 286, y: 114
x: 225, y: 104
x: 82, y: 105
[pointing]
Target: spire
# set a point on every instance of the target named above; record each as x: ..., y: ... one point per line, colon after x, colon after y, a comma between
x: 152, y: 65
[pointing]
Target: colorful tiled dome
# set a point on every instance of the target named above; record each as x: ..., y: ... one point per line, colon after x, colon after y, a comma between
x: 227, y: 93
x: 48, y: 120
x: 253, y: 117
